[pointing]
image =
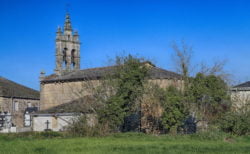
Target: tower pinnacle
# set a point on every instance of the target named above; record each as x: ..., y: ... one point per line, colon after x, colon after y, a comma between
x: 67, y: 24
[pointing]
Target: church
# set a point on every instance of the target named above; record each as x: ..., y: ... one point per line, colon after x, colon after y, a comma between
x: 60, y: 88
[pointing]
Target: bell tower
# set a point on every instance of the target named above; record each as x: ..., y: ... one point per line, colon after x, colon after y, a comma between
x: 67, y: 48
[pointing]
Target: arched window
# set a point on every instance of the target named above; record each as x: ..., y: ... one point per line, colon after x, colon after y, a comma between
x: 73, y: 52
x: 64, y: 64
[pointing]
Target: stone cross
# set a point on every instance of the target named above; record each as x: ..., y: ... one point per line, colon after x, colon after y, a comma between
x: 47, y: 124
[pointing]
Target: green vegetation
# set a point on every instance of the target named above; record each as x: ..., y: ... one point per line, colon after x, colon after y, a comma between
x: 129, y: 78
x: 129, y: 102
x: 236, y: 123
x: 210, y: 95
x: 174, y: 110
x: 125, y: 143
x: 127, y: 83
x: 126, y: 97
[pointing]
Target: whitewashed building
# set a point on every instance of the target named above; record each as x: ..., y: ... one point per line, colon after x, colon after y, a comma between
x: 59, y: 117
x: 52, y: 121
x: 240, y: 95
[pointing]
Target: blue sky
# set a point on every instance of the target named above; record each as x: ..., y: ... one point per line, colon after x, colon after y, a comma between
x: 217, y: 30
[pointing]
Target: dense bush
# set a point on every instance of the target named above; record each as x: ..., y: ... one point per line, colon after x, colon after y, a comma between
x: 209, y: 96
x: 112, y: 114
x: 237, y: 123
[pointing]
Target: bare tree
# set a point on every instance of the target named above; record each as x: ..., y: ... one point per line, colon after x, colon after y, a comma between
x: 182, y: 58
x: 217, y: 68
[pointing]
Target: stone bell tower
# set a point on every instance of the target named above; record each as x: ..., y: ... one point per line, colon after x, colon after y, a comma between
x: 67, y: 48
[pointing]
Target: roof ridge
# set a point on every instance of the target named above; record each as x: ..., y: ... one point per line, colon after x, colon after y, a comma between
x: 113, y: 66
x: 95, y: 68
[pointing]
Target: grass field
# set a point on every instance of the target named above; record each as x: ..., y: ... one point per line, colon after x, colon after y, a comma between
x: 126, y: 143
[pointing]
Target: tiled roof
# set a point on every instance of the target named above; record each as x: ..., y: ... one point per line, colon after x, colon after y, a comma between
x: 11, y: 89
x: 98, y: 73
x: 243, y: 85
x: 81, y: 105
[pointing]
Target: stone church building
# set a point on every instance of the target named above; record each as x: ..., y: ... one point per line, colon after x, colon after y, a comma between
x: 68, y: 79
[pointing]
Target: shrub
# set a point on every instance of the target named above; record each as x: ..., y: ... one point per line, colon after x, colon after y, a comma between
x: 51, y: 134
x: 235, y: 123
x: 112, y: 114
x: 81, y: 127
x: 32, y: 135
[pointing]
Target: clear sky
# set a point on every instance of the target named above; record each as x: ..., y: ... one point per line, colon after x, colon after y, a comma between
x: 217, y: 29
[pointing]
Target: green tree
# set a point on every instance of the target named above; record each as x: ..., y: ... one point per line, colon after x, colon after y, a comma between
x: 128, y: 79
x: 131, y: 75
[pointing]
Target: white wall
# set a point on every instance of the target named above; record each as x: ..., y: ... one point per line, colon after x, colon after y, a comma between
x: 55, y: 123
x: 240, y: 98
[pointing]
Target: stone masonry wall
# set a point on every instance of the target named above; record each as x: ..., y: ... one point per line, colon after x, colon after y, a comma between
x: 53, y: 94
x: 240, y: 98
x: 17, y: 106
